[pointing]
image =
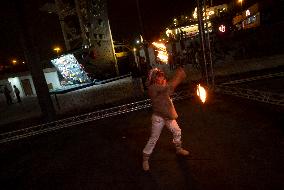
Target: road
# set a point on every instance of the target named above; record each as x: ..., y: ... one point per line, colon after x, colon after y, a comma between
x: 234, y: 144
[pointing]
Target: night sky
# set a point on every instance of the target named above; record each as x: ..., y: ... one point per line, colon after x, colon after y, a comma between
x: 156, y: 15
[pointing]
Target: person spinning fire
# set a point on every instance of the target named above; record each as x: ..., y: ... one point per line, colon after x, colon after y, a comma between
x: 164, y: 113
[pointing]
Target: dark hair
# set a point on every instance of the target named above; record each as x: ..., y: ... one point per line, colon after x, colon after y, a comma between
x: 153, y: 74
x: 160, y: 73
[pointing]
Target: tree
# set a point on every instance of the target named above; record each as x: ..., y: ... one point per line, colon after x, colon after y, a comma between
x: 29, y: 45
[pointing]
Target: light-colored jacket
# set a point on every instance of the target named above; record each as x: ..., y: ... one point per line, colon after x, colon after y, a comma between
x: 162, y: 104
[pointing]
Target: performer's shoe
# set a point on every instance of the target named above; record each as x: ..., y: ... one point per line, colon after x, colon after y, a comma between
x: 145, y: 163
x: 182, y: 152
x: 146, y: 166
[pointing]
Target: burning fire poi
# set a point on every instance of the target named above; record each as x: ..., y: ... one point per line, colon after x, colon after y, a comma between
x: 162, y: 52
x: 201, y: 93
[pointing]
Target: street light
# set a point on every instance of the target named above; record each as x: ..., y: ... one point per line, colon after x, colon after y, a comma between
x: 14, y: 61
x: 241, y: 2
x: 57, y: 49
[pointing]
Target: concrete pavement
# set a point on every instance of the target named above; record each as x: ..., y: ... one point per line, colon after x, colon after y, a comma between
x: 234, y: 144
x: 73, y: 103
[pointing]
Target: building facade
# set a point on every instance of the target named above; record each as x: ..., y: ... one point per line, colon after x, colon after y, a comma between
x: 85, y: 26
x: 24, y: 82
x: 187, y: 27
x: 249, y: 18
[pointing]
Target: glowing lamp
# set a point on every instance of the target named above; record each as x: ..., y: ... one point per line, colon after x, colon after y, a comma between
x: 247, y: 13
x: 57, y: 49
x: 14, y: 61
x: 222, y: 28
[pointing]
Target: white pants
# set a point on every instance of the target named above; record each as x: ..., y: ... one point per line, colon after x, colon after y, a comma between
x: 158, y: 124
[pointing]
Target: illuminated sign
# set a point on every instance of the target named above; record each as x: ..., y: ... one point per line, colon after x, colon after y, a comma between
x: 70, y: 69
x: 247, y: 13
x: 222, y: 28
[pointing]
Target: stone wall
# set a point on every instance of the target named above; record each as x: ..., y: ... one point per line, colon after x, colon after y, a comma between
x: 93, y: 96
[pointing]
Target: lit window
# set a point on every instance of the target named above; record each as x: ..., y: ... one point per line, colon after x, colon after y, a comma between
x: 247, y: 13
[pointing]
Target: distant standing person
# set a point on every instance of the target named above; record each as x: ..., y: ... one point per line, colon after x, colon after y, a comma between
x: 171, y: 60
x: 17, y: 92
x: 143, y: 70
x: 138, y: 89
x: 8, y: 95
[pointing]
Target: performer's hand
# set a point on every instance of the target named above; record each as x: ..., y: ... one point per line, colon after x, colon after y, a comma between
x: 179, y: 69
x: 180, y: 72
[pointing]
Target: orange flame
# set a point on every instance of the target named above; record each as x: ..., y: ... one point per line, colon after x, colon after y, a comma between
x: 162, y: 52
x: 201, y: 93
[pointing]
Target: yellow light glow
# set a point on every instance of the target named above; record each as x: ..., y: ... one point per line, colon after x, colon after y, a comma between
x: 169, y: 32
x: 195, y: 13
x: 211, y: 13
x: 201, y: 93
x: 160, y: 46
x: 162, y: 52
x: 57, y: 49
x: 163, y: 56
x: 14, y: 62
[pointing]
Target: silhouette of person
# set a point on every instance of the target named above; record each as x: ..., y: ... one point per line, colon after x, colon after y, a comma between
x: 136, y: 80
x: 171, y: 60
x: 8, y: 95
x: 17, y: 92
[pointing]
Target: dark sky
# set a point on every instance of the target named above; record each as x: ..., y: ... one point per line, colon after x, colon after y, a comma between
x: 156, y: 14
x: 45, y: 29
x: 123, y: 16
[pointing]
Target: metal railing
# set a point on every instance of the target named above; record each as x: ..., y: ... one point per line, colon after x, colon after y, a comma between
x: 280, y: 74
x: 256, y: 95
x: 252, y: 94
x: 80, y: 119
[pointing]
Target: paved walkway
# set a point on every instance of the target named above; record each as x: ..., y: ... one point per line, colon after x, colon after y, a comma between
x: 71, y: 102
x: 91, y: 97
x: 234, y: 144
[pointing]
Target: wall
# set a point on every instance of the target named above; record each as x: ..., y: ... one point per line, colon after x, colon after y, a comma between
x: 2, y: 84
x: 29, y: 77
x: 90, y: 97
x: 52, y: 77
x: 17, y: 82
x: 101, y: 41
x: 152, y: 56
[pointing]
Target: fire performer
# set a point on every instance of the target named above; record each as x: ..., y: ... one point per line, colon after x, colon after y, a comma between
x: 164, y: 112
